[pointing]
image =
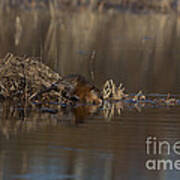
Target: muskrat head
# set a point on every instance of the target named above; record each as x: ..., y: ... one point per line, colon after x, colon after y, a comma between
x: 83, y: 89
x: 93, y: 97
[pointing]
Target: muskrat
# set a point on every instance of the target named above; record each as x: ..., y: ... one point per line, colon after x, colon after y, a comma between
x: 84, y: 89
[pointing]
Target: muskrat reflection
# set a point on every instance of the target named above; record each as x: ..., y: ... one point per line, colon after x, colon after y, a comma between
x: 14, y: 121
x: 82, y: 112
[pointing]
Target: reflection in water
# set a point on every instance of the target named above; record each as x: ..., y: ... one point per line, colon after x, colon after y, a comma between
x: 50, y: 146
x: 140, y: 50
x: 124, y: 43
x: 15, y: 119
x: 71, y: 163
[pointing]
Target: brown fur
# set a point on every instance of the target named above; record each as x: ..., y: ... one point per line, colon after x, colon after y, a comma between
x: 85, y: 90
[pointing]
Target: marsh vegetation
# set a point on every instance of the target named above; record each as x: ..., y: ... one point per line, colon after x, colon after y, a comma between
x: 123, y: 42
x: 135, y: 43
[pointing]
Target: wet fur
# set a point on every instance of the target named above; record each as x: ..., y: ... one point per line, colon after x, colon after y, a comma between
x: 84, y: 89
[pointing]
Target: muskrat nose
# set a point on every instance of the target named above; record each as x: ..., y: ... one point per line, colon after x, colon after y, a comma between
x: 98, y: 101
x: 94, y: 97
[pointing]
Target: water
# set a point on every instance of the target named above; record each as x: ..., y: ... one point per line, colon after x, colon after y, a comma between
x: 139, y: 50
x: 46, y: 147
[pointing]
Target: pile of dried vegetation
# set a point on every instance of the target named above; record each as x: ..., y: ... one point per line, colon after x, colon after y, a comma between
x: 25, y: 79
x: 28, y: 80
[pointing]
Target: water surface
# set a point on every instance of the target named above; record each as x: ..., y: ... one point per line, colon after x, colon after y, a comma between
x: 139, y: 50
